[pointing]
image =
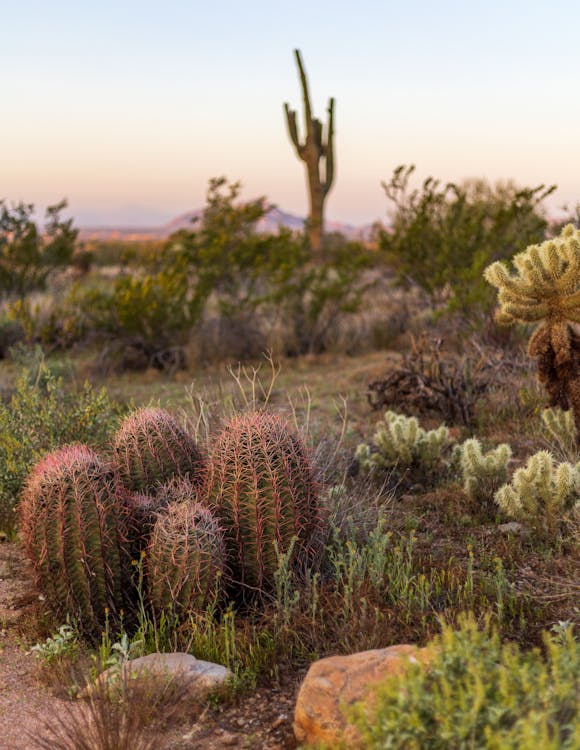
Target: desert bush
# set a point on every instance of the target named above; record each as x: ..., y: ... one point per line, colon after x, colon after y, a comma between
x: 483, y: 473
x: 541, y: 494
x: 460, y: 229
x: 42, y: 414
x: 477, y: 692
x: 27, y: 253
x: 400, y: 442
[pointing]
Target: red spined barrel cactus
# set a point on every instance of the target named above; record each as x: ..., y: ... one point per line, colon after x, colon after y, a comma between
x: 185, y: 559
x: 151, y: 447
x: 262, y: 487
x: 73, y: 522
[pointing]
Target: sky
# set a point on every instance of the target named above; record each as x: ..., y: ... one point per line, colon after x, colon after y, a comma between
x: 127, y: 108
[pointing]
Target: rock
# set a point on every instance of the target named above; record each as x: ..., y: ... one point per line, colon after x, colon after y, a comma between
x: 194, y: 676
x: 334, y: 683
x: 512, y: 527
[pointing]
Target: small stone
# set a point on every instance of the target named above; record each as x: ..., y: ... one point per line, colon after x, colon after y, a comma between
x: 197, y: 677
x: 336, y: 682
x: 229, y: 739
x: 512, y: 527
x: 278, y: 722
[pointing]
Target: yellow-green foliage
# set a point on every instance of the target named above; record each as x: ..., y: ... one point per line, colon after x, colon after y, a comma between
x: 479, y: 693
x: 541, y: 493
x: 562, y: 431
x: 483, y: 473
x: 401, y: 442
x: 546, y: 284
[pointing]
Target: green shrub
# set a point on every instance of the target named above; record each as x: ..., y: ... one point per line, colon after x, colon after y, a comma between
x: 42, y: 415
x: 28, y: 254
x: 483, y: 473
x: 541, y: 493
x: 444, y: 236
x: 561, y: 430
x: 401, y: 443
x: 480, y: 693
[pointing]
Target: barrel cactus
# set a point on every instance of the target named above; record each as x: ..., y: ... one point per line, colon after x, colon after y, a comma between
x: 73, y: 521
x: 151, y: 447
x: 261, y: 484
x: 185, y: 559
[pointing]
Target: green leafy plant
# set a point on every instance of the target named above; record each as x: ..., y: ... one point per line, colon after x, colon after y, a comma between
x: 27, y: 253
x: 477, y: 692
x: 541, y: 493
x: 42, y: 414
x: 460, y: 229
x: 483, y: 473
x: 400, y: 442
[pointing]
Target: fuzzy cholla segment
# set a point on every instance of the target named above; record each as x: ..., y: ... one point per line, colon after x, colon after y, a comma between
x: 400, y: 441
x: 262, y: 487
x: 541, y: 493
x: 483, y: 473
x: 546, y: 284
x: 561, y: 428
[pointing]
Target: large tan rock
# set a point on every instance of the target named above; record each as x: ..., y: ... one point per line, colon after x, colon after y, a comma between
x: 335, y: 683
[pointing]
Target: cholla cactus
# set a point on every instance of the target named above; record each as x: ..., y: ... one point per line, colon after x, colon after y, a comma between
x: 482, y: 473
x: 546, y: 290
x: 561, y: 429
x: 185, y: 559
x: 541, y: 493
x: 401, y: 442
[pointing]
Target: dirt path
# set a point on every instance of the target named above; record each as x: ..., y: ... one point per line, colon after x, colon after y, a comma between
x: 260, y: 721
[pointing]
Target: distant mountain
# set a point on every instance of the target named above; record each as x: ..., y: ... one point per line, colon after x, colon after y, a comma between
x: 270, y: 223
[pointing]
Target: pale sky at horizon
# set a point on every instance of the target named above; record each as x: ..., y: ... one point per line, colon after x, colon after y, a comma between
x: 128, y: 108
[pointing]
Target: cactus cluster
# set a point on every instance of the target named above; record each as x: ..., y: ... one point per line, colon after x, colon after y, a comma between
x: 541, y: 493
x: 84, y: 520
x: 401, y: 442
x: 483, y: 473
x: 262, y: 487
x: 74, y: 525
x: 546, y: 290
x: 561, y: 430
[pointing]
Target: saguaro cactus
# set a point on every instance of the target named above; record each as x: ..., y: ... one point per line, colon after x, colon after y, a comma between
x: 546, y: 290
x: 311, y: 151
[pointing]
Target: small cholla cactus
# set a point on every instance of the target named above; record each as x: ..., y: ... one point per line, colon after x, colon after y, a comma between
x: 562, y: 431
x: 541, y: 493
x: 483, y: 473
x: 546, y: 290
x: 150, y: 448
x: 74, y: 525
x: 401, y: 442
x: 185, y: 559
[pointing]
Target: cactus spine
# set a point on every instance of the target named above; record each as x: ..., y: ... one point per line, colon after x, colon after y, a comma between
x: 185, y: 559
x: 311, y: 152
x: 541, y: 493
x: 150, y: 448
x: 546, y: 290
x: 483, y: 473
x: 262, y: 486
x: 401, y: 442
x: 73, y: 524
